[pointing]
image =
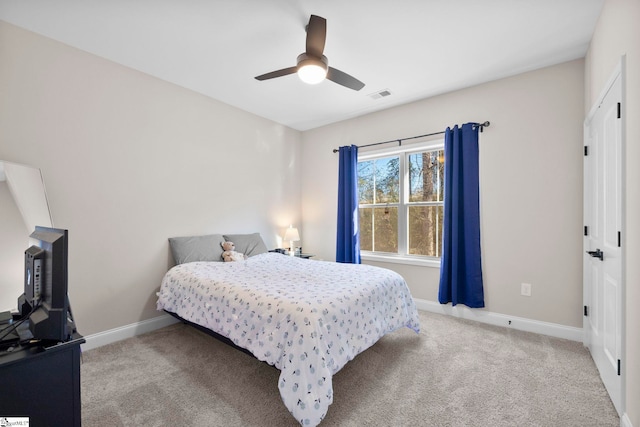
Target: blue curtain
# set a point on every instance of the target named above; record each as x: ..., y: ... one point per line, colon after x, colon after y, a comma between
x: 461, y: 264
x: 348, y: 238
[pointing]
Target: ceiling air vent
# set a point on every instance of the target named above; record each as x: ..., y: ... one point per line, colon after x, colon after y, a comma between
x: 380, y: 94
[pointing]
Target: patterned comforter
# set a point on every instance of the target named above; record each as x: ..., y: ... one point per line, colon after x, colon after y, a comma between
x: 307, y: 318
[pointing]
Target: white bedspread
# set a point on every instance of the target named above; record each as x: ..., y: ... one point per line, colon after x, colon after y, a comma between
x: 307, y: 318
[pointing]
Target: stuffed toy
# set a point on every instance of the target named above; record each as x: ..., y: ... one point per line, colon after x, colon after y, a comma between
x: 230, y: 254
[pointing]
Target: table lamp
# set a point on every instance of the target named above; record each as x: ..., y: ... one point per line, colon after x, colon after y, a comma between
x: 292, y: 236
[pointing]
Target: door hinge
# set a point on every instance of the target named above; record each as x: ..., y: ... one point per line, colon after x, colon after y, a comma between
x: 619, y: 108
x: 619, y: 242
x: 618, y: 366
x: 586, y: 230
x: 586, y: 150
x: 586, y: 310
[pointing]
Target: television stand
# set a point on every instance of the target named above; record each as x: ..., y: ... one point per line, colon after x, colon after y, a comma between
x: 42, y: 382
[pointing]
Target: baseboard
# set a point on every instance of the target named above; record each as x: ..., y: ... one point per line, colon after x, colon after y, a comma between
x: 519, y: 323
x: 127, y: 331
x: 625, y: 421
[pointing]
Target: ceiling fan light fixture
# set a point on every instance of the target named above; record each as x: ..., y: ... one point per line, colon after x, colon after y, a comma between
x: 312, y: 70
x: 312, y: 74
x: 312, y: 66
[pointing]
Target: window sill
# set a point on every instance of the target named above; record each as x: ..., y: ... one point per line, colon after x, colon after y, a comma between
x: 399, y: 259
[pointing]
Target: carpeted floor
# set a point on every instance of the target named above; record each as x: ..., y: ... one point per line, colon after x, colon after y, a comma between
x: 454, y: 373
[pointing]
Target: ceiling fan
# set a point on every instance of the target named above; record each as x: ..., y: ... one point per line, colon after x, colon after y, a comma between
x: 313, y: 66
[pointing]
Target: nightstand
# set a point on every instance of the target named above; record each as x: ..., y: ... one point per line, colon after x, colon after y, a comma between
x: 286, y: 252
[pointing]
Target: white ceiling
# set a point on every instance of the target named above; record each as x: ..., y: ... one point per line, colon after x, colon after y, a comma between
x: 413, y: 48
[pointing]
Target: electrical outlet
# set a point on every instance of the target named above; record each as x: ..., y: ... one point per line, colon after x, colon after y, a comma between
x: 525, y: 289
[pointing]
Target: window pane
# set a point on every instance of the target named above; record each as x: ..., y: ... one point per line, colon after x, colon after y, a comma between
x: 441, y: 176
x: 365, y: 182
x: 425, y: 230
x: 387, y: 180
x: 379, y: 229
x: 426, y: 172
x: 366, y: 229
x: 385, y: 237
x: 379, y: 180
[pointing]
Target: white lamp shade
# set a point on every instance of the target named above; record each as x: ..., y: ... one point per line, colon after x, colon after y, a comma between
x: 291, y: 235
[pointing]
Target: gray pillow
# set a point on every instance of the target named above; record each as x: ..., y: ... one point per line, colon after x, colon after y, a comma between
x: 196, y: 248
x: 248, y: 244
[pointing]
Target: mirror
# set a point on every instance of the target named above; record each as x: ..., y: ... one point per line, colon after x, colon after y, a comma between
x: 23, y: 205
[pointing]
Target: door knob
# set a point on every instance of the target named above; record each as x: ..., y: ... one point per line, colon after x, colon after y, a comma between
x: 597, y: 254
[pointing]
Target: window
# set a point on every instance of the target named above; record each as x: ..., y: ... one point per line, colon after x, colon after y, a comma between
x: 401, y: 201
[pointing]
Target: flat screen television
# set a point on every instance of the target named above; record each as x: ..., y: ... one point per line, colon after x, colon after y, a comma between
x: 45, y: 300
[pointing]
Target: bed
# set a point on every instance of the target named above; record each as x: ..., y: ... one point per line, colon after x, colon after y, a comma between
x: 307, y: 318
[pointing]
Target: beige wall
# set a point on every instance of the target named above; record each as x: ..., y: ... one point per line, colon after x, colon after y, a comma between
x: 531, y: 186
x: 128, y: 161
x: 618, y: 33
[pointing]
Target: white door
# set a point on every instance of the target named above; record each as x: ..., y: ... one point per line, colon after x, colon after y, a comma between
x: 603, y: 239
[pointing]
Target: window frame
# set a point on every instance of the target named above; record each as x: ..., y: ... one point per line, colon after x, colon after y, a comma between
x: 403, y: 152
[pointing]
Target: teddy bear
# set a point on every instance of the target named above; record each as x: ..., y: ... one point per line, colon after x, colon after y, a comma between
x: 230, y: 254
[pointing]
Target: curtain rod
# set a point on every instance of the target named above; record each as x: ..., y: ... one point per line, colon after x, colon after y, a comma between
x: 399, y: 141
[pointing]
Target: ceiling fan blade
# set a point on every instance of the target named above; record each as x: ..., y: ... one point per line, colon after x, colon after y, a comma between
x: 279, y: 73
x: 344, y: 79
x: 316, y: 35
